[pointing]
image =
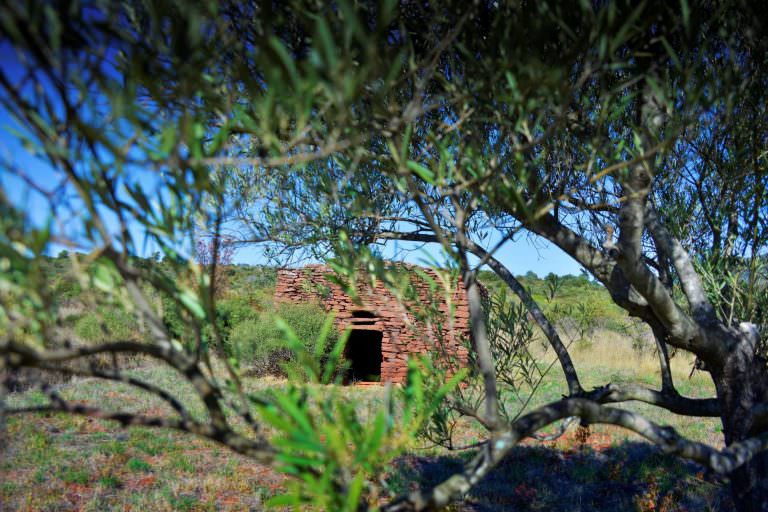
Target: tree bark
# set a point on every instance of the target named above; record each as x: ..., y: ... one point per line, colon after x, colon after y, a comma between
x: 742, y: 385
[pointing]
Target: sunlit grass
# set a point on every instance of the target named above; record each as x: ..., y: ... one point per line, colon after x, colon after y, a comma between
x: 60, y: 462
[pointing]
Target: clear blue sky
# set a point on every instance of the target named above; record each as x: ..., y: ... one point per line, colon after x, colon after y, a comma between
x: 520, y: 256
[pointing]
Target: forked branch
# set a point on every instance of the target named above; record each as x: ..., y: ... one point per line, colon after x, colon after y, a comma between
x: 721, y: 461
x: 257, y: 449
x: 17, y: 355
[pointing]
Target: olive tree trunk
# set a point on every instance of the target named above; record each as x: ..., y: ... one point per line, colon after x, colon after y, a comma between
x: 742, y: 386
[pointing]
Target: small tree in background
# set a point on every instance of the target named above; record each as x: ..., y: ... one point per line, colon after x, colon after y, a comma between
x: 215, y: 254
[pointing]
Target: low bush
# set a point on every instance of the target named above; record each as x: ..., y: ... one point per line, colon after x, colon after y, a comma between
x: 260, y: 345
x: 107, y: 324
x: 232, y: 312
x: 173, y: 319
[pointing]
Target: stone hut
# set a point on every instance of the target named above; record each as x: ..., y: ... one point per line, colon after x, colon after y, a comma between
x: 383, y: 333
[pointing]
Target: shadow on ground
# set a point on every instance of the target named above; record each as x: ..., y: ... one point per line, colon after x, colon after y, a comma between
x: 627, y: 476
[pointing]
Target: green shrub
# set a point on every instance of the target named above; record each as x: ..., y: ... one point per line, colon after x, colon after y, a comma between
x: 75, y: 475
x: 88, y: 327
x: 120, y: 324
x: 229, y: 313
x: 241, y: 343
x: 66, y: 289
x: 232, y: 312
x: 306, y: 320
x: 106, y: 324
x: 172, y: 318
x: 110, y: 481
x: 252, y: 277
x: 258, y: 343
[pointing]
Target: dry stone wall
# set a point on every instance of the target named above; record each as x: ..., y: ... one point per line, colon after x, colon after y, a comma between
x: 402, y: 334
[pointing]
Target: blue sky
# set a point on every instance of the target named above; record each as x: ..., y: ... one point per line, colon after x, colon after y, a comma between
x: 520, y: 256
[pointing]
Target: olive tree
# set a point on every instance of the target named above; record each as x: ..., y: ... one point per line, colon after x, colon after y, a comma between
x: 646, y: 122
x: 325, y: 129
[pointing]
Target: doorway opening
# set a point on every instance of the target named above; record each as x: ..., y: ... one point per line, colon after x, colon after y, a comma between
x: 363, y: 352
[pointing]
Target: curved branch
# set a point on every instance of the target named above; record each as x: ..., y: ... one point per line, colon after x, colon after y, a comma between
x: 630, y: 260
x: 666, y: 398
x: 669, y: 400
x: 633, y: 287
x: 681, y: 328
x: 598, y: 264
x: 119, y: 377
x: 667, y: 382
x: 21, y: 355
x: 569, y: 370
x: 477, y: 322
x: 478, y: 329
x: 724, y: 461
x: 702, y: 309
x: 259, y: 450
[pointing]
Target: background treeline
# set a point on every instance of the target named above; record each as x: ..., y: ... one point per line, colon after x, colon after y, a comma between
x: 578, y: 305
x: 246, y: 311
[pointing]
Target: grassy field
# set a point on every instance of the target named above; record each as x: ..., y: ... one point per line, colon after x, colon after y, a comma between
x: 56, y: 462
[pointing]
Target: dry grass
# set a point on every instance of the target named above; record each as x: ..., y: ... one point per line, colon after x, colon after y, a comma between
x: 610, y: 358
x: 56, y: 462
x: 611, y: 354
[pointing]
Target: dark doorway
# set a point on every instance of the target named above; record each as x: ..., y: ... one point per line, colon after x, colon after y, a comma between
x: 363, y: 353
